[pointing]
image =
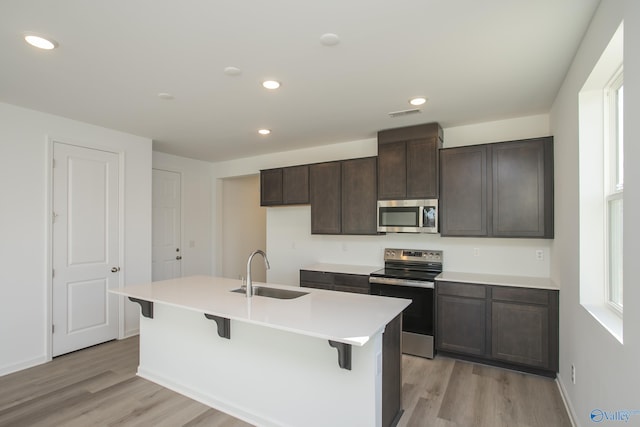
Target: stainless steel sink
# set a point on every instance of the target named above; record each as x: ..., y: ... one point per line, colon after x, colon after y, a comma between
x: 263, y: 291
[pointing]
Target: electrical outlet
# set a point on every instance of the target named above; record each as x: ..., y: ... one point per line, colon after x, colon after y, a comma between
x: 539, y: 254
x: 476, y: 252
x: 573, y: 374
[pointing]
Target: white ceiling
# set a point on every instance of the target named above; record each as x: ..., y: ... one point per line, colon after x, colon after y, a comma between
x: 475, y: 60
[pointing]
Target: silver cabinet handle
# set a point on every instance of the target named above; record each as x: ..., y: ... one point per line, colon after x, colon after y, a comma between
x: 115, y: 269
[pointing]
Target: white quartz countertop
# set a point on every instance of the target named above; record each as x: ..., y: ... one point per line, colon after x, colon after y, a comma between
x: 498, y: 280
x: 338, y: 316
x: 342, y: 268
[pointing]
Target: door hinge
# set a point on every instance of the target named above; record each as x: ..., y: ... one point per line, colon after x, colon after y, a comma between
x: 53, y: 163
x: 54, y: 216
x: 53, y: 329
x: 53, y: 273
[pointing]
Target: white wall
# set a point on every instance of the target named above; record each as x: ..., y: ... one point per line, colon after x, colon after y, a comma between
x: 24, y: 221
x: 196, y: 206
x: 245, y: 227
x: 607, y: 372
x: 291, y: 246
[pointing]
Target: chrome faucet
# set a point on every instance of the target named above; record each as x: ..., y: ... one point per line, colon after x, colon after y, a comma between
x: 266, y: 264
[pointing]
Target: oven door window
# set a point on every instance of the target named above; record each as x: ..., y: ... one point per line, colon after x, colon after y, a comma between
x: 399, y: 216
x: 418, y: 316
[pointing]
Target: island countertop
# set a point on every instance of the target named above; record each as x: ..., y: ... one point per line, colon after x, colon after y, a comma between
x: 338, y: 316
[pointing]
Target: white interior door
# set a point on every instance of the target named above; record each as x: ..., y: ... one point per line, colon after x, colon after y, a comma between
x: 85, y: 247
x: 167, y: 255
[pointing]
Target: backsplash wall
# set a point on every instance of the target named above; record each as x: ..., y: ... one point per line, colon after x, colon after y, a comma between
x: 291, y: 246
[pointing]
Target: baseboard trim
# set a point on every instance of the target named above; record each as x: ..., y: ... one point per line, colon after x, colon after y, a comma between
x: 131, y: 333
x: 567, y: 403
x: 9, y: 369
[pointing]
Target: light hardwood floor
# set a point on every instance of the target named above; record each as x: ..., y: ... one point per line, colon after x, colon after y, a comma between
x: 98, y: 387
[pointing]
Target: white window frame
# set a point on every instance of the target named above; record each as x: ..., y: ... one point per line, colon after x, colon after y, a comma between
x: 594, y: 188
x: 614, y: 178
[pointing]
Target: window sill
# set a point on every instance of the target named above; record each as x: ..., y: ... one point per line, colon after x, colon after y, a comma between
x: 610, y: 320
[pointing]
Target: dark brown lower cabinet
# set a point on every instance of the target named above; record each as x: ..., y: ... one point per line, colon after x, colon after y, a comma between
x: 354, y: 283
x: 502, y: 325
x: 391, y: 372
x: 465, y: 324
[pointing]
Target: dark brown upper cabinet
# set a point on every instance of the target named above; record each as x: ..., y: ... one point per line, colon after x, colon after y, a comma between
x: 325, y: 193
x: 284, y: 186
x: 522, y: 202
x: 343, y: 197
x: 464, y: 192
x: 498, y: 190
x: 408, y: 162
x: 359, y: 196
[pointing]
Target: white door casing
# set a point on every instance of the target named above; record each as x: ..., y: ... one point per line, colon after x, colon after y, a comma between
x: 85, y: 247
x: 167, y: 253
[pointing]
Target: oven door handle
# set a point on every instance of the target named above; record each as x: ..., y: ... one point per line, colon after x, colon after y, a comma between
x: 400, y: 282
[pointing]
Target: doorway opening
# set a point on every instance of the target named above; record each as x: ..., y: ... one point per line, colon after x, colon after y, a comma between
x: 244, y: 226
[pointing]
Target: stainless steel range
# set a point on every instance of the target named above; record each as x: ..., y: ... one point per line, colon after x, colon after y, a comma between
x: 410, y: 273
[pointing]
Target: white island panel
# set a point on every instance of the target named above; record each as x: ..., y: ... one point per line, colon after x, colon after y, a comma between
x: 265, y: 376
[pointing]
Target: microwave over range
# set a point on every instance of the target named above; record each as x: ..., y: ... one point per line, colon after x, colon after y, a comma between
x: 408, y: 216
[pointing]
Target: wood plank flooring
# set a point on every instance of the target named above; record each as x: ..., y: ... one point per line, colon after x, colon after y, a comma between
x: 98, y: 387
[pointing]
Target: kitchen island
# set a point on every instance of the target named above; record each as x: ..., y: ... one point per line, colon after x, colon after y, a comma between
x: 323, y: 358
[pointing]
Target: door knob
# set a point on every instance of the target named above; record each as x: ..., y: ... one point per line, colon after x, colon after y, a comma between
x: 178, y: 257
x: 115, y: 269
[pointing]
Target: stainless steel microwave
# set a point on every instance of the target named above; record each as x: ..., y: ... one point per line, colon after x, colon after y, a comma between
x: 408, y: 216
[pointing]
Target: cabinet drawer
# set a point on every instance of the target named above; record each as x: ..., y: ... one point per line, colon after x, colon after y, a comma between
x: 525, y: 295
x: 461, y: 289
x: 316, y: 276
x: 351, y: 280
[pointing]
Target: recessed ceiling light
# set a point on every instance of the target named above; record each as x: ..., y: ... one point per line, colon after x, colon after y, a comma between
x: 166, y: 96
x: 271, y: 84
x: 419, y: 100
x: 40, y: 42
x: 264, y: 131
x: 329, y: 39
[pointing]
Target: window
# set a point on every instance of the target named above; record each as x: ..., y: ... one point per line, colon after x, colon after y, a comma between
x: 601, y: 174
x: 614, y: 186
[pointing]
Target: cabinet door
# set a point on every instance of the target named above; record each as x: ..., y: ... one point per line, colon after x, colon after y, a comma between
x: 520, y: 333
x: 464, y: 191
x: 271, y: 187
x: 316, y: 279
x: 392, y: 171
x: 522, y: 188
x: 359, y: 196
x: 422, y: 168
x: 461, y: 325
x: 325, y: 196
x: 295, y: 185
